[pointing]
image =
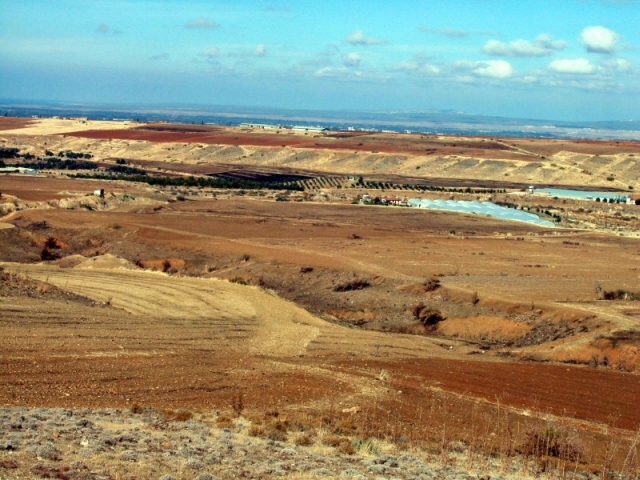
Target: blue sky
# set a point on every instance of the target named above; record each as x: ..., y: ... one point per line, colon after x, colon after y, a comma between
x: 560, y: 59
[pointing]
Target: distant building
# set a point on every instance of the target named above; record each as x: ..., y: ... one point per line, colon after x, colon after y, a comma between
x: 302, y: 128
x: 392, y: 200
x: 531, y: 189
x: 262, y: 126
x: 29, y: 171
x: 99, y: 192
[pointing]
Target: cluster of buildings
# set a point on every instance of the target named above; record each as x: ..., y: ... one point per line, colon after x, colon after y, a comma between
x: 295, y: 128
x: 18, y: 170
x: 366, y: 198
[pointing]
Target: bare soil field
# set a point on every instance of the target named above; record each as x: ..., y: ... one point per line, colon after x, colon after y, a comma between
x: 12, y: 123
x: 43, y: 189
x: 459, y: 160
x: 310, y: 322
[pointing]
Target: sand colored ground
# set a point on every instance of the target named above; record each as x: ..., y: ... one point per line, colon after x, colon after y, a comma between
x: 465, y: 158
x: 291, y: 339
x: 193, y: 342
x: 484, y: 327
x: 50, y: 126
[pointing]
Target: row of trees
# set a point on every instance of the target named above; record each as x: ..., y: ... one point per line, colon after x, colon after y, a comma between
x: 54, y: 163
x: 191, y: 181
x: 69, y: 154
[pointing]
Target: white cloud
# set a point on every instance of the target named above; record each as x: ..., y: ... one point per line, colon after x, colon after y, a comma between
x: 212, y: 52
x: 333, y: 72
x: 600, y: 39
x: 201, y: 23
x: 352, y: 59
x: 494, y: 69
x: 447, y: 32
x: 543, y: 46
x: 260, y: 51
x: 417, y: 66
x: 618, y: 64
x: 578, y: 66
x: 357, y: 37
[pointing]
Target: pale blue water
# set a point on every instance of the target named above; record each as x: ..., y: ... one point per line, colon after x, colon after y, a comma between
x: 580, y: 195
x: 481, y: 208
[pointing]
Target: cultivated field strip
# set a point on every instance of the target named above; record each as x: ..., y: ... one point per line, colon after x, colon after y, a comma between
x: 255, y: 320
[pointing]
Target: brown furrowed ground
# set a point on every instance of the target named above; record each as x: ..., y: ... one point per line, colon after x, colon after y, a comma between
x: 435, y: 325
x: 11, y: 123
x: 39, y: 189
x: 439, y: 160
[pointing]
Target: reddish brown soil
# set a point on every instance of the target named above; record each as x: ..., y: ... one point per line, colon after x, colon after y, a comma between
x: 55, y: 353
x: 12, y: 123
x: 42, y: 189
x: 384, y: 143
x: 409, y: 144
x: 560, y: 390
x: 57, y: 360
x: 588, y: 147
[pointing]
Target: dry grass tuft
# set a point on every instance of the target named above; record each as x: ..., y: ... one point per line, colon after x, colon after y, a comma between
x: 224, y: 421
x: 177, y: 416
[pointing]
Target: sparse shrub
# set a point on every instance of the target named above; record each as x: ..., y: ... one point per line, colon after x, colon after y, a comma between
x: 552, y: 442
x: 277, y: 435
x: 238, y: 404
x: 367, y: 446
x: 256, y: 431
x: 48, y: 452
x: 346, y: 448
x: 206, y: 476
x: 304, y: 441
x: 246, y: 257
x: 306, y: 269
x: 357, y: 284
x: 177, y: 416
x: 136, y: 409
x: 354, y: 236
x: 239, y: 281
x: 427, y: 315
x: 599, y: 291
x: 166, y: 265
x: 194, y: 464
x: 333, y: 440
x: 9, y: 464
x: 431, y: 284
x: 223, y: 421
x: 474, y: 298
x: 129, y: 456
x: 621, y: 295
x: 345, y: 426
x: 47, y: 471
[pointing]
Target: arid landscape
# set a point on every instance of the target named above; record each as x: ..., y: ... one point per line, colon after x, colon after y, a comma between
x: 193, y: 301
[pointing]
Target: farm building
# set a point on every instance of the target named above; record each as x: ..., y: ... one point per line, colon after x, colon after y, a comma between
x: 262, y: 126
x: 393, y: 200
x: 18, y: 170
x: 301, y: 128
